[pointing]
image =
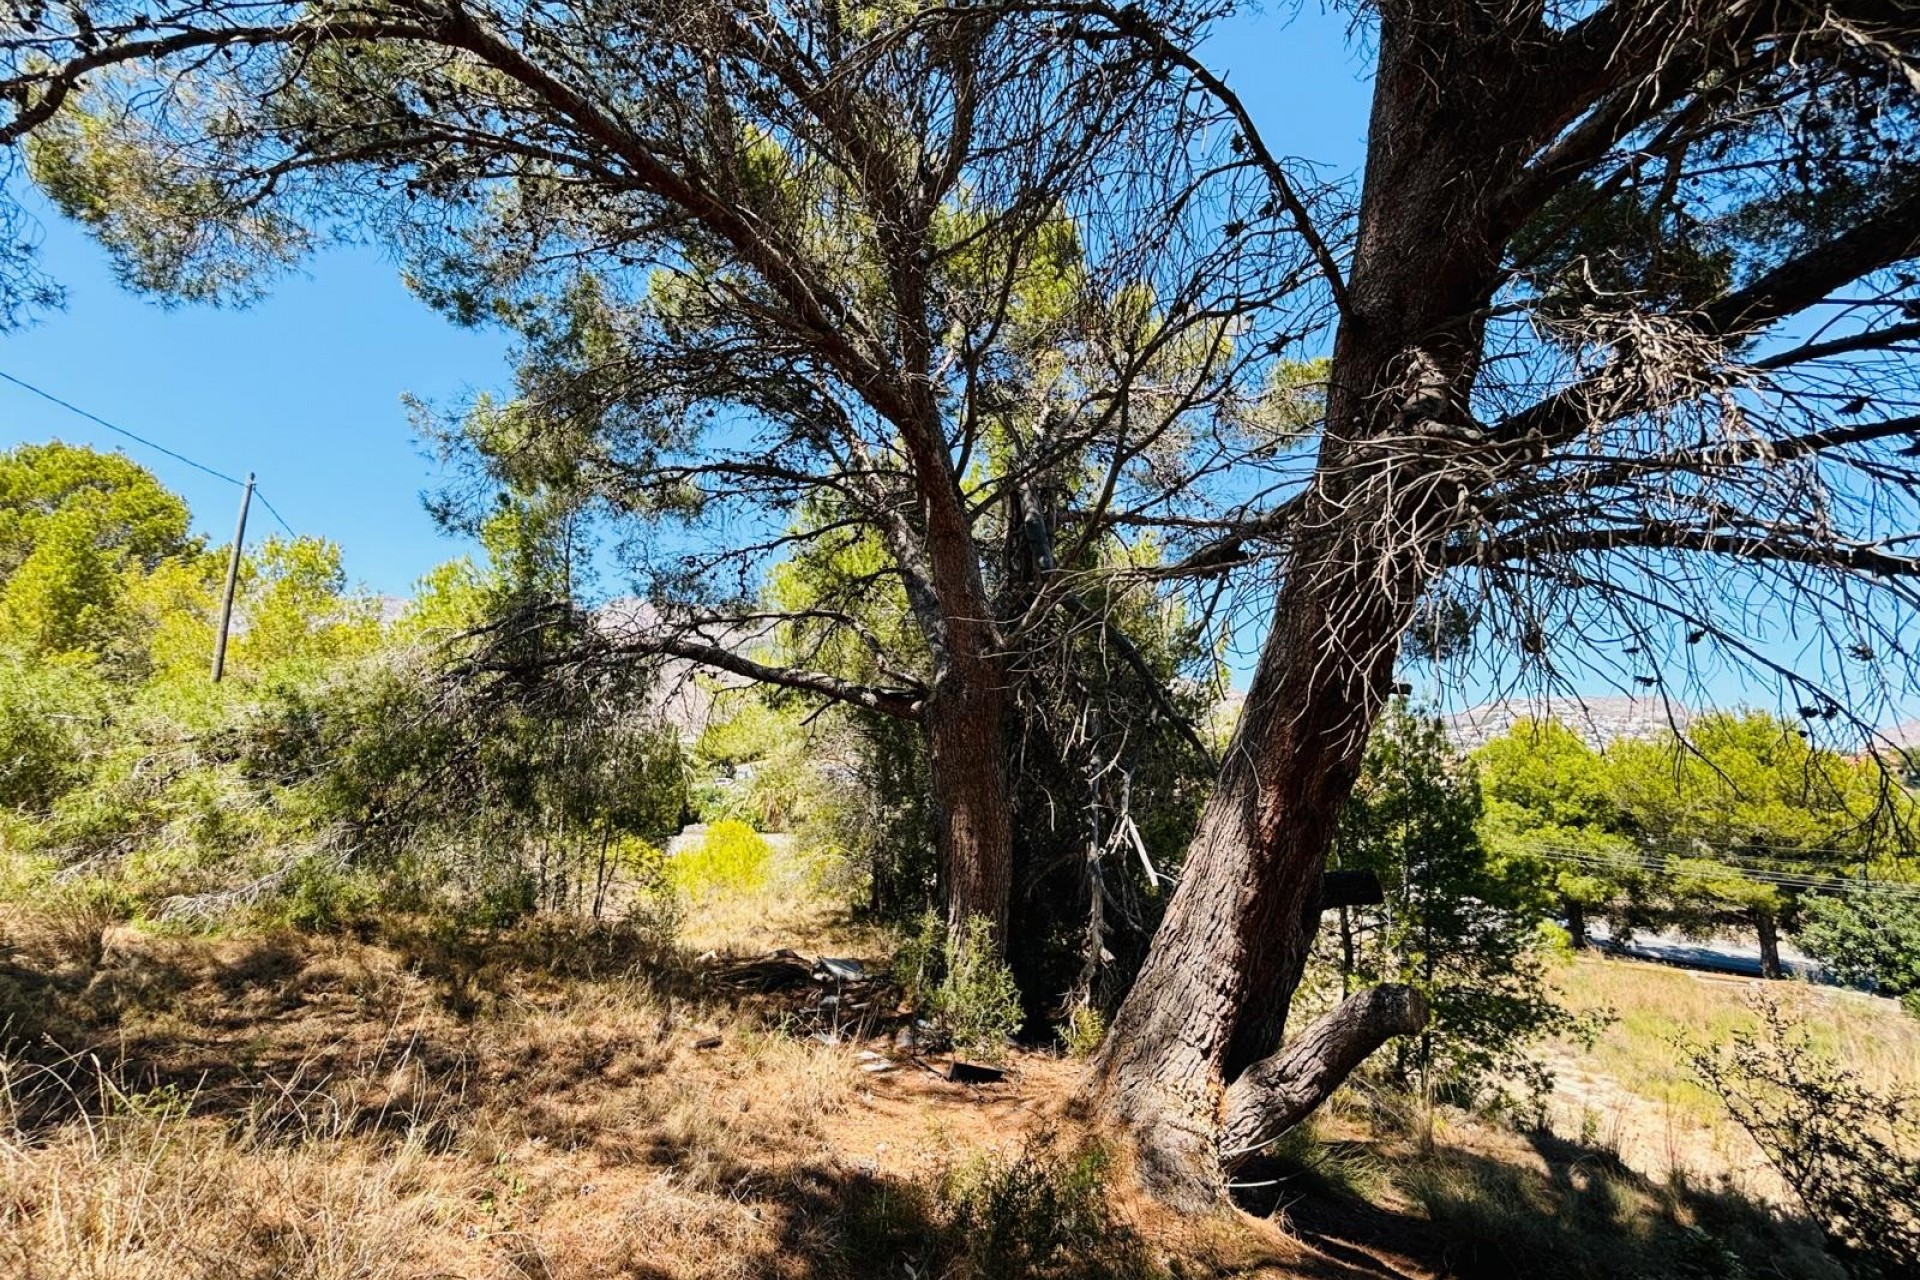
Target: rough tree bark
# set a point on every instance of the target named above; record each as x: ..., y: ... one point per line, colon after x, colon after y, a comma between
x: 967, y: 763
x: 1279, y: 1092
x: 1209, y: 1005
x: 1194, y: 1069
x: 968, y: 709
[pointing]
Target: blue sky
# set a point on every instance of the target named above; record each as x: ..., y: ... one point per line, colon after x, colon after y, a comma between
x: 303, y: 388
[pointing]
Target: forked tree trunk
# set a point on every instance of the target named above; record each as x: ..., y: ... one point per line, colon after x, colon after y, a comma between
x: 1187, y: 1061
x: 1279, y: 1092
x: 1194, y: 1069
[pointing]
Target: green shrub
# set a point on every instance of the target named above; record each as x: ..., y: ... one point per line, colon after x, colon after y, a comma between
x: 504, y: 900
x: 978, y: 1001
x: 46, y: 715
x: 1084, y: 1032
x: 1043, y: 1212
x: 731, y: 858
x: 960, y: 981
x: 1851, y: 1152
x: 650, y: 907
x: 920, y: 959
x: 321, y: 896
x: 1870, y: 940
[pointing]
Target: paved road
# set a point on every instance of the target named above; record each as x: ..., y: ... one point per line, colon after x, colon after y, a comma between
x: 1715, y: 955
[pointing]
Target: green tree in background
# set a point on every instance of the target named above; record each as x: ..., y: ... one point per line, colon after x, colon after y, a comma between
x: 77, y: 529
x: 1548, y: 798
x: 1869, y: 938
x: 1741, y: 801
x: 438, y: 755
x: 773, y: 274
x: 1460, y: 923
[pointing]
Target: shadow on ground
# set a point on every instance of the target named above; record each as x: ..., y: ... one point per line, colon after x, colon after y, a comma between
x: 1571, y: 1211
x: 583, y: 1047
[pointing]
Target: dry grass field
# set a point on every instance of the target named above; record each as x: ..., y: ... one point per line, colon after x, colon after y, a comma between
x: 563, y: 1103
x: 1632, y: 1089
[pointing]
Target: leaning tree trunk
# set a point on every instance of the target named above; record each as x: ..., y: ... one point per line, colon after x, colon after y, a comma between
x: 1189, y: 1066
x: 1196, y: 1068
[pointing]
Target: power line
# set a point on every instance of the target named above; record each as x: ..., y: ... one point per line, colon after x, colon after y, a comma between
x: 151, y: 444
x: 1798, y: 856
x: 275, y: 514
x: 1782, y: 879
x: 96, y: 418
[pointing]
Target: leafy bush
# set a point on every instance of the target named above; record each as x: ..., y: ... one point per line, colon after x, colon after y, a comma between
x: 1042, y: 1212
x: 960, y: 981
x: 978, y: 1000
x: 920, y: 959
x: 1850, y: 1152
x: 650, y: 907
x: 44, y: 710
x: 732, y: 858
x: 464, y: 769
x: 320, y: 895
x: 1084, y: 1032
x: 505, y: 899
x: 1872, y: 940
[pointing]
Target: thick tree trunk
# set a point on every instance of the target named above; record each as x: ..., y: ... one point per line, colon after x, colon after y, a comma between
x: 1769, y: 929
x: 1194, y: 1068
x: 1211, y: 1001
x: 968, y: 720
x: 967, y: 740
x: 968, y: 713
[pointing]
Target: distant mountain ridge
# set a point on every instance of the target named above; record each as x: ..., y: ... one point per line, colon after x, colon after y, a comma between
x: 1904, y: 736
x: 1598, y: 721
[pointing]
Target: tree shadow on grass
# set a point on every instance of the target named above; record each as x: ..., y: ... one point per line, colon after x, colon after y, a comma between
x: 217, y: 1021
x: 283, y: 1038
x: 1578, y: 1213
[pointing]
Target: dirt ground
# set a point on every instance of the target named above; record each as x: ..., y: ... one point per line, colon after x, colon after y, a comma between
x: 564, y: 1104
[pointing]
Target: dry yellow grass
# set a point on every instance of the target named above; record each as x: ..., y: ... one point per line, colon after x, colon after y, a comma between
x: 553, y: 1104
x: 548, y: 1104
x: 137, y: 1196
x: 1633, y: 1092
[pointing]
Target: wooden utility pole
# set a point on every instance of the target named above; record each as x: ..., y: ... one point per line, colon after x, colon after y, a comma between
x: 233, y: 577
